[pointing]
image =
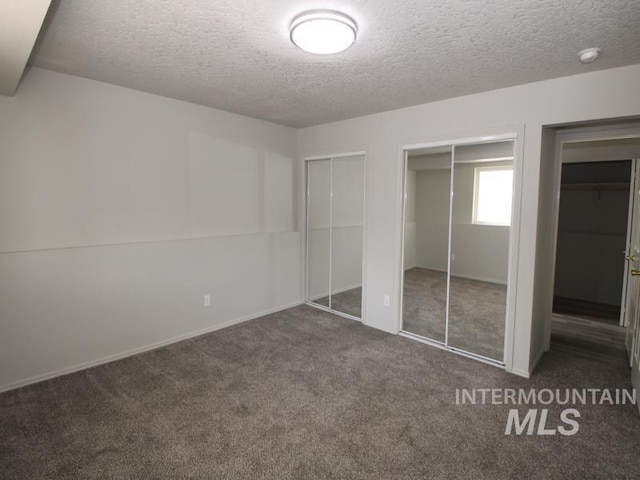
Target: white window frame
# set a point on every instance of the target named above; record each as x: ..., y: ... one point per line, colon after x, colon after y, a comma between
x: 476, y: 194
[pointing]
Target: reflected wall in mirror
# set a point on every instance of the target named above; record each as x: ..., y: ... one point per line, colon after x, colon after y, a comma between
x: 318, y: 231
x: 427, y: 199
x: 458, y: 202
x: 480, y: 230
x: 335, y: 229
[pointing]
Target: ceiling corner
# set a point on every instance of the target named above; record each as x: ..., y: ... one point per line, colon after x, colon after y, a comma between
x: 20, y: 23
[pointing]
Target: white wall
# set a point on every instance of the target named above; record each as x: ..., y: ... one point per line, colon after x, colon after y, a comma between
x: 544, y: 271
x: 603, y: 94
x: 121, y: 209
x: 597, y: 151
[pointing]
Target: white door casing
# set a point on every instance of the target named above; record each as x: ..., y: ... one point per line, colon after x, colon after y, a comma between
x: 627, y: 251
x: 633, y: 293
x: 633, y: 282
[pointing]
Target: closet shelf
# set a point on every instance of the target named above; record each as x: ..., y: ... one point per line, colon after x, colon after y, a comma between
x: 598, y: 187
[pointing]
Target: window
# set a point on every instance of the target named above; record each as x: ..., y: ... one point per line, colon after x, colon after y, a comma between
x: 493, y: 192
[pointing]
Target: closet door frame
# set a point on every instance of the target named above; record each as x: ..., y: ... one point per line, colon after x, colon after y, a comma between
x: 514, y: 239
x: 331, y: 157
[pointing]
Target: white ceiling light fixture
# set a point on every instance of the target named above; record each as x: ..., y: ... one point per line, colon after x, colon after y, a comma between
x: 589, y: 55
x: 323, y: 32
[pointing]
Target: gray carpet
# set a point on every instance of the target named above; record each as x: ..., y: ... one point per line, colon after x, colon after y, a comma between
x: 476, y: 313
x: 424, y: 303
x: 304, y: 394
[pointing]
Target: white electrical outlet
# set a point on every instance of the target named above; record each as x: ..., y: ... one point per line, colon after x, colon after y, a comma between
x: 453, y: 257
x: 387, y: 301
x: 207, y: 300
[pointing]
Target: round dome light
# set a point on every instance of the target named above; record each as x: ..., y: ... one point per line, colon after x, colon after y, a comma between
x: 323, y: 32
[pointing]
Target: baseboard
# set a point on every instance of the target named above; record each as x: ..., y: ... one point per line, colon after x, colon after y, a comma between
x: 378, y: 327
x: 146, y: 348
x: 520, y: 373
x: 536, y: 361
x: 335, y: 292
x: 480, y: 279
x: 468, y: 277
x: 435, y: 269
x: 579, y: 306
x: 532, y: 367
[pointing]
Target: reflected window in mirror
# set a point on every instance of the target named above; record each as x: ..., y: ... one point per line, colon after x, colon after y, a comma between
x: 493, y: 192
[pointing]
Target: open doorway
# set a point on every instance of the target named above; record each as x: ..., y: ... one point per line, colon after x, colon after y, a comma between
x: 593, y: 244
x: 593, y: 236
x: 602, y: 141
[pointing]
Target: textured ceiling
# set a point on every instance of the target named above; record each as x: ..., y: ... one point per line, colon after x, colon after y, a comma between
x: 236, y: 55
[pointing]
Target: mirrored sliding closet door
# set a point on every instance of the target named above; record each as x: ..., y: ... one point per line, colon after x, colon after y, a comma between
x: 458, y: 211
x: 428, y: 184
x: 335, y: 222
